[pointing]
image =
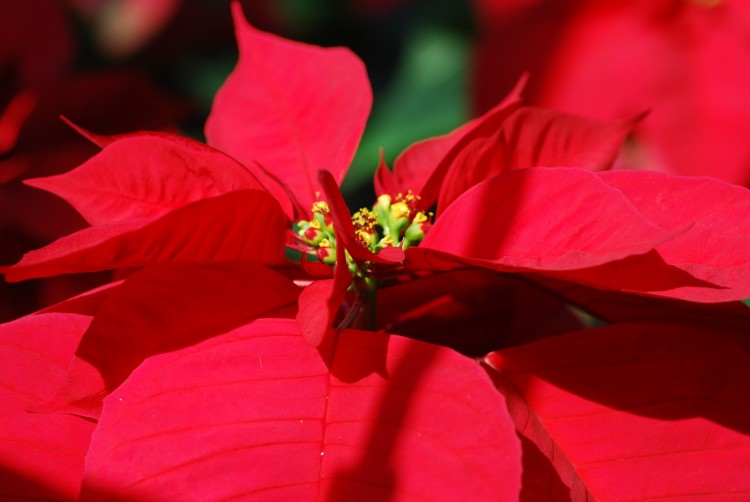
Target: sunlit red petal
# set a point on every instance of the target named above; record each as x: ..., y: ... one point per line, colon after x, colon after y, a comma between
x: 291, y: 107
x: 542, y: 219
x: 423, y: 166
x: 634, y: 411
x: 272, y: 420
x: 163, y: 308
x: 242, y: 225
x: 41, y: 455
x: 145, y: 175
x: 715, y: 245
x: 530, y: 137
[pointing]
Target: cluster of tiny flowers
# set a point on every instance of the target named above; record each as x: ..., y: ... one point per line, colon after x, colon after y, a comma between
x: 392, y: 221
x: 318, y: 233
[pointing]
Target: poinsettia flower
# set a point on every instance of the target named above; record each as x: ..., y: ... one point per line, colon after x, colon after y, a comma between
x: 40, y: 83
x: 217, y: 368
x: 255, y: 411
x: 686, y: 61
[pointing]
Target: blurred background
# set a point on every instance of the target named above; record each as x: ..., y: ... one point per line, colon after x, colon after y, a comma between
x: 116, y: 66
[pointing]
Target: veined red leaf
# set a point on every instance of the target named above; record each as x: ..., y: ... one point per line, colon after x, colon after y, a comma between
x: 422, y: 167
x: 541, y: 219
x: 145, y: 175
x: 242, y: 225
x: 608, y: 59
x: 293, y: 108
x: 636, y: 411
x: 41, y: 455
x: 715, y: 247
x: 271, y: 421
x: 415, y: 166
x: 529, y: 137
x: 163, y: 308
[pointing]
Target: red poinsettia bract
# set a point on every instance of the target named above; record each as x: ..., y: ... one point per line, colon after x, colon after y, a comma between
x: 41, y: 83
x: 438, y: 358
x: 687, y: 61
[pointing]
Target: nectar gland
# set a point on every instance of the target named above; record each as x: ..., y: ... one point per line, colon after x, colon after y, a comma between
x: 392, y: 221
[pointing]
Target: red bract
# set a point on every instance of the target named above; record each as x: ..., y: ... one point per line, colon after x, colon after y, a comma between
x: 40, y: 83
x: 277, y: 420
x: 41, y: 456
x: 686, y: 61
x: 195, y: 368
x: 662, y: 404
x: 258, y: 119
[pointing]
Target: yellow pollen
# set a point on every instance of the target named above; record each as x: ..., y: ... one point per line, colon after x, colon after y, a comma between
x: 420, y: 217
x: 364, y: 218
x: 400, y: 210
x: 364, y: 237
x: 320, y: 207
x: 410, y: 197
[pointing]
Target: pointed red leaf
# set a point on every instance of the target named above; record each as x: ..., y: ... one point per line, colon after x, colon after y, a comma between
x: 292, y: 107
x: 541, y: 219
x: 99, y: 140
x: 715, y: 245
x: 161, y: 308
x: 636, y: 411
x: 530, y: 137
x: 418, y: 163
x: 384, y: 180
x: 684, y: 61
x: 242, y: 225
x: 423, y: 166
x: 257, y: 413
x: 41, y: 455
x: 145, y: 175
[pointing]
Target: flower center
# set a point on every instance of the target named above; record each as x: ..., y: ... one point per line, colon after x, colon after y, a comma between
x: 392, y: 221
